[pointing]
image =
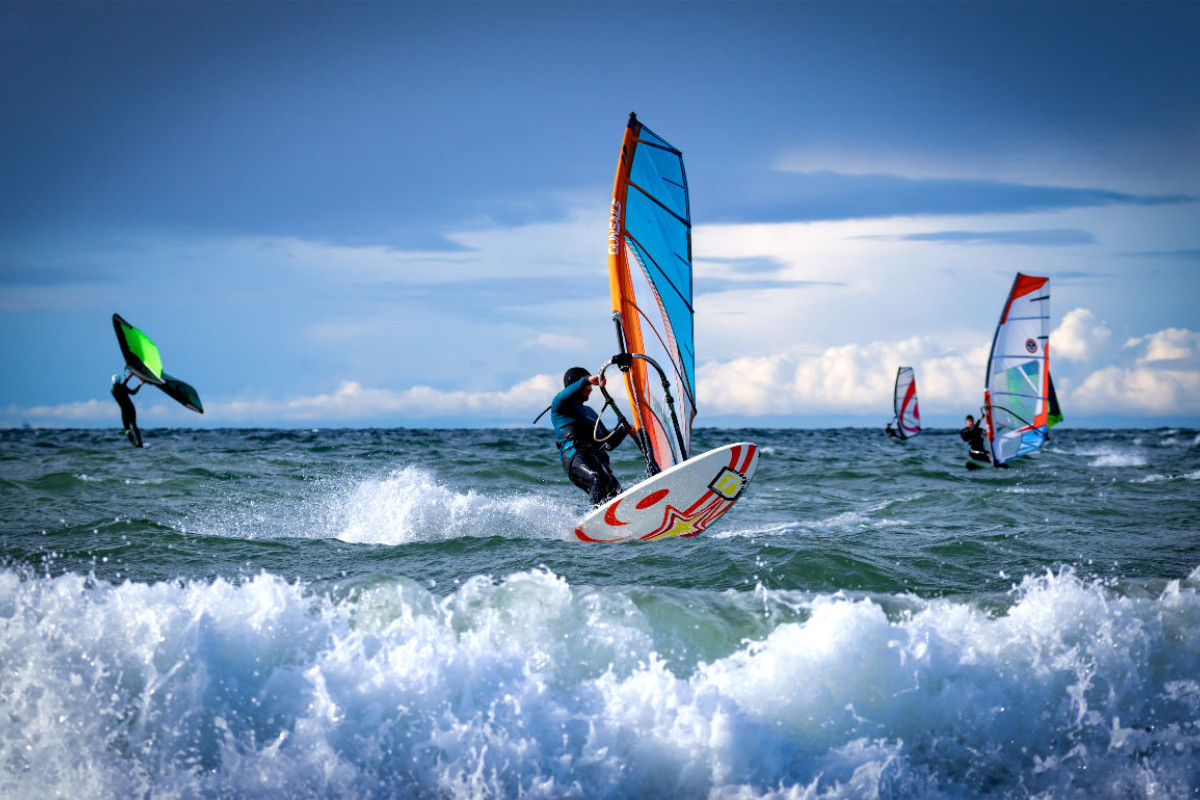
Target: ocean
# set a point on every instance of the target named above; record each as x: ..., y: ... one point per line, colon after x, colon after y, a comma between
x: 405, y: 613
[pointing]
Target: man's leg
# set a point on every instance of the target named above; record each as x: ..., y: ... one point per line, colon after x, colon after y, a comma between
x: 594, y: 477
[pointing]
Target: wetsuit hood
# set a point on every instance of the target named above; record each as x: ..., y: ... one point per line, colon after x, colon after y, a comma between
x: 574, y: 374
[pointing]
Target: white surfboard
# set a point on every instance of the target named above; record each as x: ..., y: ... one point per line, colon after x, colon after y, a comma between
x: 680, y: 501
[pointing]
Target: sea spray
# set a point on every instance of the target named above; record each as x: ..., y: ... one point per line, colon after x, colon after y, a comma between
x: 527, y: 686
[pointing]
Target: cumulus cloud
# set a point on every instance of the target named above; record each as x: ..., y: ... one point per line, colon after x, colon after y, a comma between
x: 350, y: 402
x: 1079, y: 336
x: 852, y: 378
x: 64, y: 414
x: 1153, y: 375
x: 353, y: 401
x: 1161, y: 376
x: 1172, y: 344
x: 1138, y: 390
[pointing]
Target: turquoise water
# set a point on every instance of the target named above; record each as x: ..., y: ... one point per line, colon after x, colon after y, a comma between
x: 406, y: 613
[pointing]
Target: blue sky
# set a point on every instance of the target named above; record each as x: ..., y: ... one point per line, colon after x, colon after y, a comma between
x: 395, y: 213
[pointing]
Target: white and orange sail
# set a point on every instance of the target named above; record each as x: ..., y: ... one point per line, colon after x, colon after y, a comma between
x: 1018, y: 398
x: 908, y: 412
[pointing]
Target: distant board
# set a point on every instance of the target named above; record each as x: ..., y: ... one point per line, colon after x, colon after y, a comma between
x: 681, y: 501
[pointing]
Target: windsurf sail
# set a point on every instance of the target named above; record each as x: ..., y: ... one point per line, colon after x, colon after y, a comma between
x: 1018, y: 390
x: 144, y: 361
x: 650, y: 278
x: 908, y: 414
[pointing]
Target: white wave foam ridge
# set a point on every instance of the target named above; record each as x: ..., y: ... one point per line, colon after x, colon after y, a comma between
x: 529, y: 687
x: 410, y: 505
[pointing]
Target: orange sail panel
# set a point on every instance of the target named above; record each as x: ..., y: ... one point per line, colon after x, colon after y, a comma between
x: 650, y: 277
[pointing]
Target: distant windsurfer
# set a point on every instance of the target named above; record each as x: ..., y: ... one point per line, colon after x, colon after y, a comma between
x: 972, y: 434
x: 891, y: 432
x: 583, y: 441
x: 121, y: 393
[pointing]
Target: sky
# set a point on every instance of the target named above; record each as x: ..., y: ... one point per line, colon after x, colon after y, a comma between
x: 395, y: 214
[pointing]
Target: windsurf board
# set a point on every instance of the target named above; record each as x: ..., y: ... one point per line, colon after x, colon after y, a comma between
x: 683, y: 500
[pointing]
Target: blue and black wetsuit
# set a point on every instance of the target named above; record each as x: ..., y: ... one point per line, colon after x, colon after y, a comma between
x: 584, y: 459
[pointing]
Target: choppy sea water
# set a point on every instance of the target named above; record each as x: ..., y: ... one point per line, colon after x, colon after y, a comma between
x: 406, y: 614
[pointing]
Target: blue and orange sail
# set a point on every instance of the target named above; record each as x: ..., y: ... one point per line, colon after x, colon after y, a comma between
x: 650, y: 278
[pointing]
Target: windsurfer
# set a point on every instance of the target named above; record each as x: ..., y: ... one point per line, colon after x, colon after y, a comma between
x: 583, y: 441
x: 972, y: 434
x: 891, y: 432
x: 121, y: 393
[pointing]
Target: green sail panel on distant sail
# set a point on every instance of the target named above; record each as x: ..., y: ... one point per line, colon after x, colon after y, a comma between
x: 1055, y: 414
x: 141, y: 354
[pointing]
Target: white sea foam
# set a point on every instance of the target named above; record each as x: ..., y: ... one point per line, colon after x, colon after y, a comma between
x: 724, y: 531
x: 530, y: 687
x: 851, y: 521
x: 1120, y: 460
x: 1108, y: 456
x: 410, y: 505
x: 407, y: 505
x: 1158, y: 477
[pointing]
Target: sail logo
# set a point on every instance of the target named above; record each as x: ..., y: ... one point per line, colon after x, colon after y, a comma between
x: 614, y: 228
x: 728, y: 484
x: 1031, y: 345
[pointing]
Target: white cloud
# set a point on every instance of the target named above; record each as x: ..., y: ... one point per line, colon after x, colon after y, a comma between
x: 1138, y: 390
x: 851, y: 378
x: 1079, y: 336
x: 1167, y: 345
x: 1155, y: 375
x: 1163, y: 378
x: 350, y: 401
x: 353, y: 401
x: 66, y: 413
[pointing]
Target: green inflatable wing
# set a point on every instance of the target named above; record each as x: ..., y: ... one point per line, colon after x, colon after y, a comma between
x: 141, y: 354
x: 144, y: 361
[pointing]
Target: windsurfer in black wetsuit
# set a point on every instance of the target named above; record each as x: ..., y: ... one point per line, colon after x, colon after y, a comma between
x: 583, y: 441
x: 891, y: 432
x: 121, y: 393
x: 972, y: 434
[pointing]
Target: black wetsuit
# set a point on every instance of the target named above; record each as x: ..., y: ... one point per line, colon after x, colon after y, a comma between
x: 583, y: 457
x: 973, y: 436
x: 121, y: 393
